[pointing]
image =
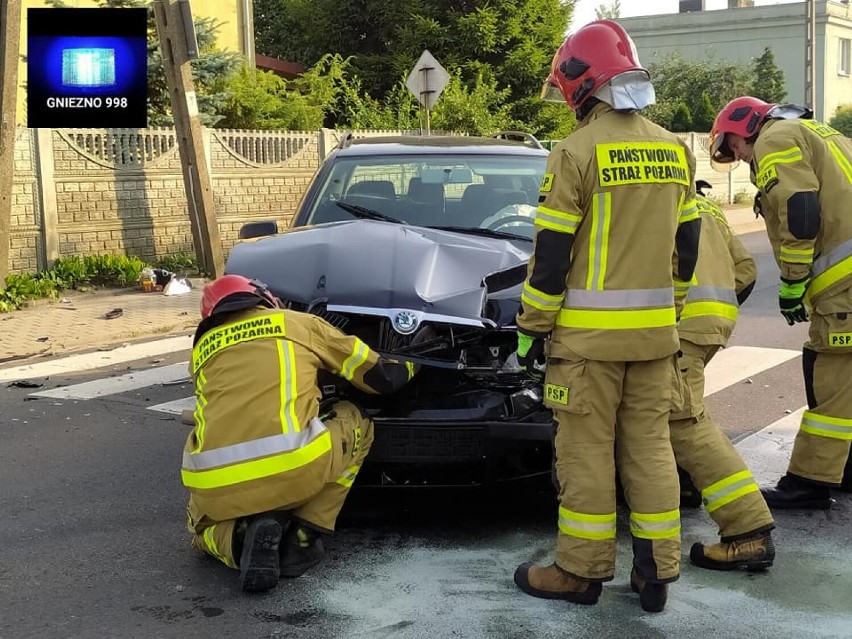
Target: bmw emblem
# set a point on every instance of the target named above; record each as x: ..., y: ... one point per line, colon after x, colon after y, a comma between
x: 405, y: 322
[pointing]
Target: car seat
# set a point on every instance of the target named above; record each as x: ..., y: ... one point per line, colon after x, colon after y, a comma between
x: 425, y: 203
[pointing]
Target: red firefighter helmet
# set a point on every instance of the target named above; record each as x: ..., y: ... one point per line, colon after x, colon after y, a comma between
x: 590, y: 58
x: 234, y: 293
x: 742, y: 116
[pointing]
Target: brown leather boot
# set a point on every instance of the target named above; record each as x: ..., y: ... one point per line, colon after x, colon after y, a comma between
x: 652, y: 596
x: 753, y: 553
x: 551, y: 582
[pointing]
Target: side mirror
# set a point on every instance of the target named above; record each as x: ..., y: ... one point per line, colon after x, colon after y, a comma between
x: 258, y: 229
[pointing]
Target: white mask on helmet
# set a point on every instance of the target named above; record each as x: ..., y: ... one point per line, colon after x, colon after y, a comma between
x: 631, y: 91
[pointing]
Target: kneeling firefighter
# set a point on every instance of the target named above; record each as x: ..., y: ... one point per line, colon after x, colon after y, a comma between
x: 267, y: 470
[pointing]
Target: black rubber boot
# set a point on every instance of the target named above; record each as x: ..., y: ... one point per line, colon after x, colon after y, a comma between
x: 259, y: 556
x: 794, y: 492
x: 301, y: 550
x: 652, y: 596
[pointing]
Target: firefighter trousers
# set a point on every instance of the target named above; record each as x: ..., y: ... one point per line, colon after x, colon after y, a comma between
x: 822, y: 444
x: 612, y: 413
x: 351, y: 437
x: 729, y: 492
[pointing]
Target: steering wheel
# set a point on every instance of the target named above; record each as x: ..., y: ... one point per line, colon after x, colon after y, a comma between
x: 511, y: 220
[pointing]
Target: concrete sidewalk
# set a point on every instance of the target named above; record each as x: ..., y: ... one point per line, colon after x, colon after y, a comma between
x: 60, y: 327
x: 78, y: 321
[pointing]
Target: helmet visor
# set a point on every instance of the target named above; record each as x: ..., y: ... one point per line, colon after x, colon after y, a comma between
x: 550, y: 92
x: 721, y: 156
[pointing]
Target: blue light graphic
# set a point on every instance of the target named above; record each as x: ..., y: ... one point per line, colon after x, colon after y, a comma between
x: 88, y: 67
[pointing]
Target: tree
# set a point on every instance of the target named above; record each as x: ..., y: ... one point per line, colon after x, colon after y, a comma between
x: 609, y: 12
x: 769, y: 83
x: 682, y: 118
x: 209, y: 70
x: 702, y: 119
x: 507, y: 44
x: 842, y: 120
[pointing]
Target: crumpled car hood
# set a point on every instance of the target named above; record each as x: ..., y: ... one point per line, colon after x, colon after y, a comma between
x: 372, y: 265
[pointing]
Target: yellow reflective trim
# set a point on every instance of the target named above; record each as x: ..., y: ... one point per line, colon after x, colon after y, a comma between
x: 587, y: 526
x: 617, y: 320
x: 641, y: 163
x: 827, y: 419
x: 559, y: 221
x: 213, y: 549
x: 593, y: 535
x: 348, y: 476
x: 360, y: 352
x: 198, y: 415
x: 663, y: 525
x: 541, y: 300
x: 287, y: 387
x: 586, y: 517
x: 599, y: 240
x: 607, y: 223
x: 568, y: 217
x: 547, y: 308
x: 828, y: 277
x: 669, y: 515
x: 218, y: 339
x: 259, y: 468
x: 822, y: 432
x: 841, y: 159
x: 689, y: 211
x: 409, y: 366
x: 787, y: 156
x: 732, y: 496
x: 701, y: 309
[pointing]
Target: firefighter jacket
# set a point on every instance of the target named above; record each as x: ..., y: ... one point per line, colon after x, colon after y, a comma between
x: 600, y: 281
x: 258, y: 440
x: 724, y: 276
x: 803, y: 169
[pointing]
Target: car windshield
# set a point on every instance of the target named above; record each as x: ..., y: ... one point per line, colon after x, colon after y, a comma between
x: 494, y: 192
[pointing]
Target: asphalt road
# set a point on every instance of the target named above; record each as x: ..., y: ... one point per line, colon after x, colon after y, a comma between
x: 93, y: 544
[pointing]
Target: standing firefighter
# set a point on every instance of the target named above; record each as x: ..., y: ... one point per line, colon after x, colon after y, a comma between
x: 267, y: 471
x: 724, y: 278
x: 803, y: 170
x: 599, y: 301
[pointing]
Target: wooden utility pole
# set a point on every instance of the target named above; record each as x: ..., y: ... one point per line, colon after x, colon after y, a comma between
x: 10, y: 22
x: 172, y: 30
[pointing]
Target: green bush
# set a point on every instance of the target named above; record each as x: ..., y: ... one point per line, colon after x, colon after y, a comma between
x: 842, y: 120
x: 72, y: 272
x: 743, y: 197
x: 180, y: 263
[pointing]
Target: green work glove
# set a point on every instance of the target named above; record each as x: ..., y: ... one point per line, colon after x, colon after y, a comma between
x: 531, y: 353
x: 790, y: 298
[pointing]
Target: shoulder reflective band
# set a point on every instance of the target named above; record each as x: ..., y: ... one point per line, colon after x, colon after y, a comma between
x: 641, y: 163
x: 688, y: 212
x: 841, y: 159
x: 655, y: 525
x: 235, y: 333
x: 787, y: 156
x: 820, y: 128
x: 585, y: 526
x: 557, y: 220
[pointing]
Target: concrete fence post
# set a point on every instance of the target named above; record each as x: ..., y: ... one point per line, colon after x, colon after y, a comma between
x: 44, y: 166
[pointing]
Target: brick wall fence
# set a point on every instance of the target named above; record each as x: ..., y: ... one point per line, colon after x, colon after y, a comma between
x: 89, y: 191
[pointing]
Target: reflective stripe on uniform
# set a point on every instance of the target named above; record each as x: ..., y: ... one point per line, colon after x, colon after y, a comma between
x: 787, y: 156
x: 618, y: 309
x: 681, y: 288
x: 826, y: 426
x: 842, y: 160
x: 212, y: 548
x: 348, y: 476
x: 541, y: 300
x: 585, y: 526
x: 558, y: 221
x: 599, y: 240
x: 255, y: 459
x: 729, y: 489
x: 688, y: 211
x: 359, y: 355
x: 831, y: 268
x: 200, y: 405
x: 797, y: 256
x: 710, y: 300
x: 655, y: 525
x: 287, y: 386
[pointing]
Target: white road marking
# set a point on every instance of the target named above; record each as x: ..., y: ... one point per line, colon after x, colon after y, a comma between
x: 176, y: 407
x: 734, y: 364
x: 767, y: 452
x: 121, y: 384
x: 98, y: 359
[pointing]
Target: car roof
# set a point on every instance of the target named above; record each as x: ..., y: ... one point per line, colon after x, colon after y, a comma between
x: 436, y: 144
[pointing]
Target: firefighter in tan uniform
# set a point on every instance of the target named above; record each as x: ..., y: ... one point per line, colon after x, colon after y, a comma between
x: 724, y: 278
x: 616, y: 219
x: 803, y: 170
x: 267, y: 472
